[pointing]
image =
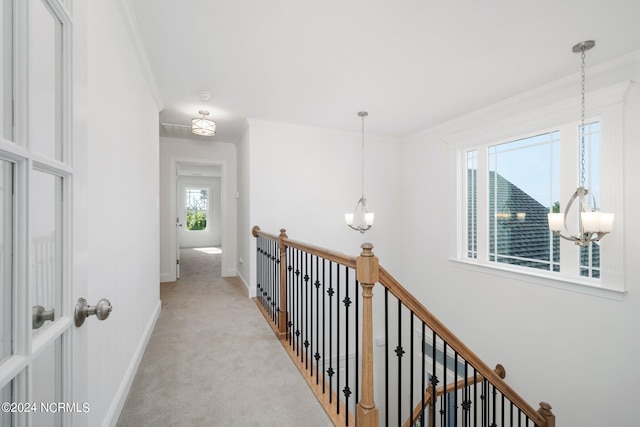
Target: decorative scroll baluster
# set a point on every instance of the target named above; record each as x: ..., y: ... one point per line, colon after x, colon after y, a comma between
x: 386, y: 355
x: 338, y: 332
x: 399, y: 353
x: 324, y: 322
x: 411, y: 351
x: 423, y: 374
x: 434, y: 382
x: 330, y: 293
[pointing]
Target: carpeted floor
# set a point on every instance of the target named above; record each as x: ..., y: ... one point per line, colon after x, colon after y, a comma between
x: 212, y: 360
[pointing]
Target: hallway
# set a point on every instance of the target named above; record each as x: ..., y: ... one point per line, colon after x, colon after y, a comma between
x: 212, y: 360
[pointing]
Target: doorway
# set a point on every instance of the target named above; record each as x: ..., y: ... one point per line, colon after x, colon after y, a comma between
x: 199, y: 213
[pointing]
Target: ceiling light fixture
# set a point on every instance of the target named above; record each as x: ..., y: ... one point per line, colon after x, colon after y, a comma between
x: 203, y: 126
x: 593, y: 225
x: 361, y: 211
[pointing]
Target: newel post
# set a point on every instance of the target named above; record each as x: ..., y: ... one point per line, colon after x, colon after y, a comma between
x: 545, y: 411
x: 367, y: 273
x: 283, y: 316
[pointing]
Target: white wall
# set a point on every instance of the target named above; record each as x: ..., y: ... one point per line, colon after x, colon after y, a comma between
x: 305, y: 179
x: 122, y: 207
x: 244, y: 204
x: 212, y: 235
x: 173, y: 152
x: 577, y: 352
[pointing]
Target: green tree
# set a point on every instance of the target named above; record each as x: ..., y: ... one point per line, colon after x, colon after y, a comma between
x: 196, y: 220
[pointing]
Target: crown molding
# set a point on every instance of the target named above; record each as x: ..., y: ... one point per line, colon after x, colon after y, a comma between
x: 131, y: 26
x: 609, y: 79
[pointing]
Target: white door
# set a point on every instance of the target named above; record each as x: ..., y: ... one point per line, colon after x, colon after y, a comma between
x: 42, y: 353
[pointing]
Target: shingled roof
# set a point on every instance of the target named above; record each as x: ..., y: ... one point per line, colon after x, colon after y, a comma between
x: 519, y: 232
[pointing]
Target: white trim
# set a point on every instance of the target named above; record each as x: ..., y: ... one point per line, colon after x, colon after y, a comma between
x: 252, y: 292
x: 120, y: 398
x: 587, y: 287
x: 131, y: 26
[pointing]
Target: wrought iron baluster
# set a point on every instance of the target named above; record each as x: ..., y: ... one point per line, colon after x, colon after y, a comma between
x: 423, y: 374
x: 316, y: 355
x: 357, y: 321
x: 411, y: 366
x: 290, y: 296
x: 324, y: 322
x: 444, y: 399
x: 399, y: 352
x: 455, y: 390
x: 466, y: 402
x: 299, y: 328
x: 386, y: 355
x: 475, y: 397
x: 337, y: 335
x: 307, y: 317
x: 347, y: 302
x: 434, y: 380
x: 330, y: 293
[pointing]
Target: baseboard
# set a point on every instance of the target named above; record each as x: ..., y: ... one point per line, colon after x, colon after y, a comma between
x: 167, y: 277
x: 250, y: 291
x: 111, y: 419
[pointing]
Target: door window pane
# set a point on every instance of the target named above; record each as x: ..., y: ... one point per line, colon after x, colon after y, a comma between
x: 523, y: 185
x: 46, y: 245
x: 6, y: 259
x: 46, y: 374
x: 44, y: 79
x: 197, y: 206
x: 6, y: 72
x: 7, y: 396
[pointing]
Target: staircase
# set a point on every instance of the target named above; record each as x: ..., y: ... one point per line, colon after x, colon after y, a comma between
x: 321, y: 306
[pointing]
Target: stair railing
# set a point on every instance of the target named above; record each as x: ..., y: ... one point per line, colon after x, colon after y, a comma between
x: 311, y: 298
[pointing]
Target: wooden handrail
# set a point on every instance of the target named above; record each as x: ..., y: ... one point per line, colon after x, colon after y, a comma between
x: 338, y: 257
x: 454, y: 342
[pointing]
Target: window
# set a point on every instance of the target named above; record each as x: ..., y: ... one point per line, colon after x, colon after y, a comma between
x: 197, y: 205
x: 509, y: 180
x: 523, y: 185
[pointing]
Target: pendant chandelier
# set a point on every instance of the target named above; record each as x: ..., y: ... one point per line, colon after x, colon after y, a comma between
x: 203, y: 126
x: 593, y: 225
x: 361, y: 212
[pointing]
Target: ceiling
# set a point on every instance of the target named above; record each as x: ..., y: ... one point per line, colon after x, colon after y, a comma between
x: 410, y: 63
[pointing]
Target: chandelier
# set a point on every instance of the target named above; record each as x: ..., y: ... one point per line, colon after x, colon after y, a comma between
x: 203, y: 126
x: 361, y: 212
x: 593, y: 225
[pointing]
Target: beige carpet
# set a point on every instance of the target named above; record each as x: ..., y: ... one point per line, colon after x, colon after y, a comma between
x: 212, y: 360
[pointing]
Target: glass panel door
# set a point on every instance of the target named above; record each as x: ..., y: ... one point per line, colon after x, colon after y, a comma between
x: 46, y: 245
x: 6, y: 259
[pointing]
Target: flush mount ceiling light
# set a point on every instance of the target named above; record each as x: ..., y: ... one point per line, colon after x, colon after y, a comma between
x: 361, y: 212
x: 203, y: 126
x: 593, y: 225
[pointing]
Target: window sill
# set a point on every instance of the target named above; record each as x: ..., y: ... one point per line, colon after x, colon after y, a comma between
x: 586, y: 287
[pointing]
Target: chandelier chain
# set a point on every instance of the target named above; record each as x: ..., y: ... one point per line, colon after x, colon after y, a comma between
x: 582, y: 114
x: 362, y: 155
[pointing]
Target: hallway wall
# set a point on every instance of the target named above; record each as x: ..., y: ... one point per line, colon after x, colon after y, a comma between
x: 122, y: 206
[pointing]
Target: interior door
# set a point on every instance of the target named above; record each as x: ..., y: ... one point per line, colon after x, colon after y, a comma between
x: 41, y: 351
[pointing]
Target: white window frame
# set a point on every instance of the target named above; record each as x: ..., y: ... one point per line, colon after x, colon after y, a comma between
x: 604, y: 105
